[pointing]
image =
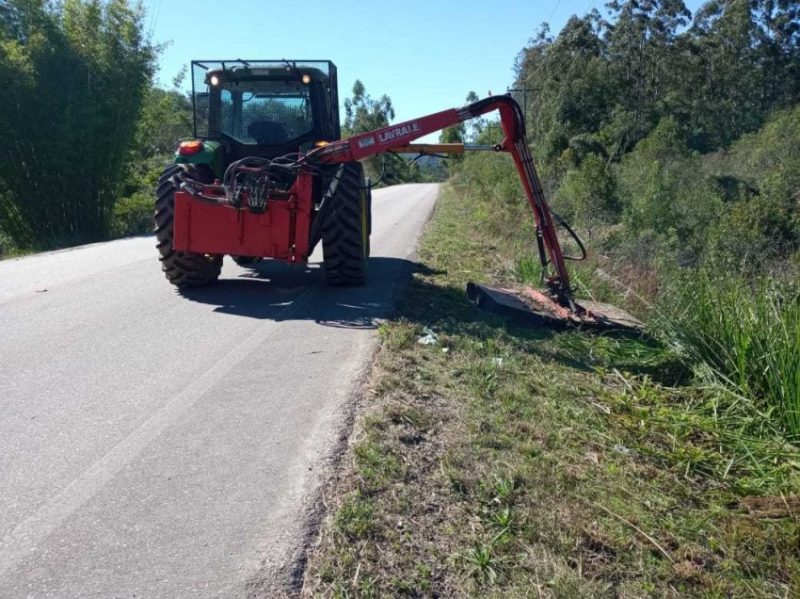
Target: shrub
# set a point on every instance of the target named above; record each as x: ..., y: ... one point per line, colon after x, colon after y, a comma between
x: 762, y: 226
x: 133, y: 215
x: 587, y: 195
x: 664, y: 190
x: 756, y: 234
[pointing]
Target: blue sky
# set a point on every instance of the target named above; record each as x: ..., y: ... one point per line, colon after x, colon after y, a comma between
x: 426, y: 55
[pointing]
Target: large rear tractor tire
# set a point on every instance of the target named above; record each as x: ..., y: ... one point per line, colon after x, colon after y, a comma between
x: 182, y: 269
x: 346, y: 229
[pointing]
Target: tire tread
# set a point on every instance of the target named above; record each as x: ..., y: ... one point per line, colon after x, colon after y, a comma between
x: 182, y: 269
x: 344, y: 257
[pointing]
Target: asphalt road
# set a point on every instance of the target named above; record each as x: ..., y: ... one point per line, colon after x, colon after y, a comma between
x: 159, y: 444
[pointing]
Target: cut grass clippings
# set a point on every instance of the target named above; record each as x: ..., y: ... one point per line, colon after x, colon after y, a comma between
x: 508, y: 462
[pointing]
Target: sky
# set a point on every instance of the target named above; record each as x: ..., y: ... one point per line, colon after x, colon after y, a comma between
x: 425, y: 54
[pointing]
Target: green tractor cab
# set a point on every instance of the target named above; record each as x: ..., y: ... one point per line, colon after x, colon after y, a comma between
x: 253, y: 121
x: 261, y: 108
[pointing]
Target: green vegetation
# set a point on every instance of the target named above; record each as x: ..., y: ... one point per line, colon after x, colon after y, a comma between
x: 510, y: 462
x: 747, y: 337
x: 715, y: 275
x: 74, y: 75
x: 364, y: 113
x: 165, y: 118
x: 689, y: 198
x: 524, y: 463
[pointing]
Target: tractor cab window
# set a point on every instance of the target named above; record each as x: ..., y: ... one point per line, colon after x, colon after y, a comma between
x: 265, y: 112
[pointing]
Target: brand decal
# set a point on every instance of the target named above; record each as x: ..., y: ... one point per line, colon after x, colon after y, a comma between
x: 366, y: 142
x: 398, y: 132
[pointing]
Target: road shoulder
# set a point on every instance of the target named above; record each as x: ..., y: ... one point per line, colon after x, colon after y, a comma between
x: 498, y: 461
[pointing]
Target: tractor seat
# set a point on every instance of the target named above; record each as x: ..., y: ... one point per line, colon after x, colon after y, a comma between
x: 267, y: 133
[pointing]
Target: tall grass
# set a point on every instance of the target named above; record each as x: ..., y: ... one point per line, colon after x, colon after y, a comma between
x: 747, y: 335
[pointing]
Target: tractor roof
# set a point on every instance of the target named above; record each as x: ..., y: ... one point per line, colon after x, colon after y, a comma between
x: 247, y: 74
x: 242, y: 70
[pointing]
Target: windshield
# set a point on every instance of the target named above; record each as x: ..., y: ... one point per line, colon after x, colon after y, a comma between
x: 265, y: 112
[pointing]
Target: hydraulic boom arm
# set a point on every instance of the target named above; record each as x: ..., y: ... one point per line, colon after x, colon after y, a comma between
x: 398, y: 136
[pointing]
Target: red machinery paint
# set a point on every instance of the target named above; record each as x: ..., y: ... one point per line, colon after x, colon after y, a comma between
x: 283, y: 231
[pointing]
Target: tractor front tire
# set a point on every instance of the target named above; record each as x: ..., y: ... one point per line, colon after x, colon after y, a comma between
x: 182, y: 269
x: 346, y: 229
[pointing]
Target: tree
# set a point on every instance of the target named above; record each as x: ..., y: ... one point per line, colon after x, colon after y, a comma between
x: 165, y: 117
x: 643, y: 64
x: 571, y: 87
x: 745, y: 63
x: 453, y: 135
x: 72, y: 78
x: 363, y: 113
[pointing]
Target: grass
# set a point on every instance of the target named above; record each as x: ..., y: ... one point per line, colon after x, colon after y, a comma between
x: 748, y: 336
x: 508, y: 462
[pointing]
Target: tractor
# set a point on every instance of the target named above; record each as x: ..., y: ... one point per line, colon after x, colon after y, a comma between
x: 249, y: 114
x: 267, y: 175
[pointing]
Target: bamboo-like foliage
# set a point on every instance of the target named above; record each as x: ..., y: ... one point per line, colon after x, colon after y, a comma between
x: 72, y: 78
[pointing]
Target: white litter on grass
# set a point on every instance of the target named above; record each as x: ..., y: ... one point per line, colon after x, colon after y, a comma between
x: 622, y: 449
x: 429, y: 338
x: 497, y: 362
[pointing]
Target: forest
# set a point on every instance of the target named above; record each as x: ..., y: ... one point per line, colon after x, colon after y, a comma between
x: 670, y: 141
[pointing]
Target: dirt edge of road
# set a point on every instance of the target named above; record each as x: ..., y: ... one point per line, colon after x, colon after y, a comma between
x: 287, y: 579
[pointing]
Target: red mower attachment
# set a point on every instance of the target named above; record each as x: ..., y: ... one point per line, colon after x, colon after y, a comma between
x: 557, y: 306
x: 249, y: 213
x: 535, y: 308
x: 208, y: 222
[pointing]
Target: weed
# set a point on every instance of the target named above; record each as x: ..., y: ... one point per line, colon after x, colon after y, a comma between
x: 481, y: 564
x: 354, y: 519
x: 503, y: 490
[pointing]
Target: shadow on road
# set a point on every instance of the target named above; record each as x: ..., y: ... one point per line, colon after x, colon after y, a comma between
x: 278, y: 291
